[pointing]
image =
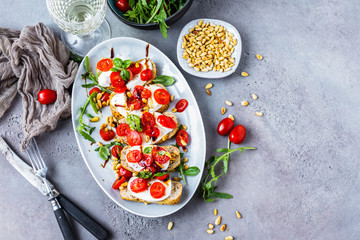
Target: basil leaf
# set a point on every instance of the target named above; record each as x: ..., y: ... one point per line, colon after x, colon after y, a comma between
x: 147, y: 150
x: 118, y: 63
x: 87, y: 64
x: 164, y: 80
x: 114, y: 69
x: 159, y: 174
x: 192, y: 171
x: 127, y: 63
x: 125, y: 74
x: 161, y: 153
x: 104, y: 152
x: 88, y: 85
x: 134, y: 122
x: 144, y: 174
x: 221, y: 195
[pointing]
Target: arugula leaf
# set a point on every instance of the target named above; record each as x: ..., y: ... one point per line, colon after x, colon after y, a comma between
x: 164, y: 80
x: 192, y: 171
x: 104, y: 152
x: 147, y: 150
x: 87, y: 136
x: 88, y: 85
x: 159, y: 174
x: 75, y: 57
x: 82, y: 127
x: 221, y: 195
x: 134, y: 122
x: 93, y: 105
x: 87, y: 64
x: 144, y: 174
x: 181, y: 170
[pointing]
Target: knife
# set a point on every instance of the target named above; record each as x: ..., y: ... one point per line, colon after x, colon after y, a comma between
x: 74, y: 211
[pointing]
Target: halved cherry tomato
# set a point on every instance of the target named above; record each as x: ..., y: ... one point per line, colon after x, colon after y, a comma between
x: 151, y: 168
x: 225, y: 126
x: 135, y: 68
x: 137, y: 91
x: 157, y: 190
x: 122, y: 129
x: 47, y: 96
x: 123, y: 172
x: 148, y: 119
x: 159, y: 155
x: 182, y: 138
x: 146, y: 75
x: 147, y: 159
x: 134, y: 138
x: 162, y: 178
x: 107, y: 135
x: 120, y: 89
x: 133, y: 156
x: 118, y: 182
x: 134, y: 103
x: 116, y: 150
x: 104, y: 65
x: 95, y: 89
x: 181, y: 105
x: 146, y: 93
x: 166, y: 121
x: 116, y: 79
x: 162, y: 96
x: 154, y: 133
x: 138, y: 185
x: 237, y: 134
x: 105, y: 97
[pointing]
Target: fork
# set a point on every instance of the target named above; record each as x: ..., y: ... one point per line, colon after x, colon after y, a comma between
x: 40, y: 169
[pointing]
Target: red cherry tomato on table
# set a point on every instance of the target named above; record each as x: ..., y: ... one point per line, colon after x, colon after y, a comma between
x: 123, y: 5
x: 47, y: 96
x: 95, y: 89
x: 166, y: 121
x: 148, y: 119
x: 105, y: 64
x: 116, y: 80
x: 162, y: 178
x: 133, y: 156
x: 135, y: 68
x: 118, y: 182
x: 238, y: 134
x: 138, y: 185
x: 134, y: 138
x: 122, y: 129
x: 181, y: 105
x: 182, y: 138
x: 162, y: 96
x: 146, y: 75
x: 123, y: 172
x: 225, y: 126
x: 116, y: 150
x: 120, y: 89
x: 107, y: 135
x: 159, y: 155
x: 146, y: 93
x: 157, y: 190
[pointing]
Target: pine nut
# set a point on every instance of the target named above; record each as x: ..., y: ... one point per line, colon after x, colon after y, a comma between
x: 254, y: 96
x: 238, y: 215
x: 259, y: 57
x: 215, y: 212
x: 210, y: 226
x: 231, y: 117
x: 94, y: 119
x: 244, y: 103
x: 223, y: 110
x: 223, y: 227
x: 244, y: 74
x: 218, y: 220
x: 229, y: 238
x: 228, y: 103
x: 170, y: 225
x: 208, y: 86
x: 208, y: 92
x: 210, y: 231
x: 259, y: 114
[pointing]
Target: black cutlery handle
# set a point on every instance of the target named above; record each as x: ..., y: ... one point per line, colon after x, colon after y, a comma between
x: 81, y: 217
x: 64, y: 224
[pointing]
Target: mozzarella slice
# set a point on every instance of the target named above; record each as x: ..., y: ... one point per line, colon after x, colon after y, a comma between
x: 146, y: 196
x: 135, y: 166
x: 104, y: 79
x: 119, y: 102
x: 136, y: 78
x: 163, y: 130
x: 153, y: 105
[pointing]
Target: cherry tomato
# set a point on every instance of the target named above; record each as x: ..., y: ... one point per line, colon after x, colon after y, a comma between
x: 123, y: 5
x: 135, y: 68
x: 151, y: 169
x: 122, y: 129
x: 116, y: 79
x: 181, y: 105
x: 47, y: 96
x: 154, y: 133
x: 148, y: 119
x: 118, y: 182
x: 146, y: 93
x: 134, y: 103
x: 133, y: 156
x: 162, y: 96
x: 116, y: 150
x: 157, y: 190
x: 123, y: 172
x: 138, y: 185
x: 238, y: 134
x: 120, y: 89
x: 182, y: 138
x: 104, y: 65
x: 146, y: 75
x: 137, y: 91
x: 147, y: 159
x: 105, y: 97
x: 162, y: 178
x: 95, y: 89
x: 107, y: 135
x: 166, y: 121
x: 225, y: 126
x: 134, y: 138
x: 159, y: 155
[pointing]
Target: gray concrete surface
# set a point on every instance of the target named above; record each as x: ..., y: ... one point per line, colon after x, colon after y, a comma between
x: 302, y: 181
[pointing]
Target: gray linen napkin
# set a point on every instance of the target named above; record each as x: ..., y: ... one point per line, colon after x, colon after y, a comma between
x: 32, y: 60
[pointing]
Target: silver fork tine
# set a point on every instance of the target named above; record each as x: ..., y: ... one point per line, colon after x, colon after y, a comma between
x: 37, y: 151
x: 27, y: 148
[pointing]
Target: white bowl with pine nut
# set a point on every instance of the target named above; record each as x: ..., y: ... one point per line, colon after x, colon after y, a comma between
x: 199, y: 42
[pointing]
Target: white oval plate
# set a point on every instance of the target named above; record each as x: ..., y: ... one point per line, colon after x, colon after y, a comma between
x: 135, y: 50
x: 211, y: 74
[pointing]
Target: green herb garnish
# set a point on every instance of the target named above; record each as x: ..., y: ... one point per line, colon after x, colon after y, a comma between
x: 134, y: 122
x: 147, y: 150
x: 164, y: 80
x: 84, y: 129
x: 120, y: 65
x: 89, y: 75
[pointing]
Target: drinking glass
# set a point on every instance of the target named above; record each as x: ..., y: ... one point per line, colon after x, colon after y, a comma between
x: 82, y: 21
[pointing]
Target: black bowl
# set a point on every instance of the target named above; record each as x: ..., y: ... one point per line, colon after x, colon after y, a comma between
x: 148, y: 26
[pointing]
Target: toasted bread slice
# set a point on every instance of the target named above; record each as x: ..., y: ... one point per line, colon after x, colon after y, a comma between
x: 174, y: 160
x: 123, y: 139
x: 173, y: 199
x: 153, y: 66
